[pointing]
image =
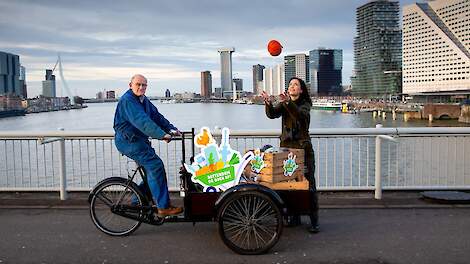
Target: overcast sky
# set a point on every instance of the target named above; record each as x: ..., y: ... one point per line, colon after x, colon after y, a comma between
x: 103, y: 43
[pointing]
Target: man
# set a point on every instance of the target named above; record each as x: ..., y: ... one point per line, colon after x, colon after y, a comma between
x: 136, y: 119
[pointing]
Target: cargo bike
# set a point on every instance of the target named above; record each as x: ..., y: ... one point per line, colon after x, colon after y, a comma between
x: 249, y: 213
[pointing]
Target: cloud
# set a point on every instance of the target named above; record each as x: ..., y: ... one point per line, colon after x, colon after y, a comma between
x: 172, y: 41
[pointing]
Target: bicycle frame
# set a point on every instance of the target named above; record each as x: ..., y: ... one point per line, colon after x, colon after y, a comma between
x: 199, y: 206
x: 143, y: 175
x: 148, y: 209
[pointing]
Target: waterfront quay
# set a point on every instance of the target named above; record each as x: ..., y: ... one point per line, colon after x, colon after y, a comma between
x: 344, y: 104
x: 14, y: 106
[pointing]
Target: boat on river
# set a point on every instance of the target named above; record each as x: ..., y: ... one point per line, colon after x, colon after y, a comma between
x: 327, y: 105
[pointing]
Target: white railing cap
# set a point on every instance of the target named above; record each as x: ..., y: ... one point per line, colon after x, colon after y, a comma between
x: 264, y: 132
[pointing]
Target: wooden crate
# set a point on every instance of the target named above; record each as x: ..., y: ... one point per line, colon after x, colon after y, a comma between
x: 273, y: 172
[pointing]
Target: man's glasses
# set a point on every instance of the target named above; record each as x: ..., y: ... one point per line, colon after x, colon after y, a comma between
x: 141, y: 84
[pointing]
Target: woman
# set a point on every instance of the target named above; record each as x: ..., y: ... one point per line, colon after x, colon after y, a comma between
x: 294, y: 107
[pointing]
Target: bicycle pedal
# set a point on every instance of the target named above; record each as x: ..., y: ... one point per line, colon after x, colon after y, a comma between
x: 157, y: 220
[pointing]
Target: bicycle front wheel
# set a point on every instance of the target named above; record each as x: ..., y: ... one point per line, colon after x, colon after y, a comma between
x: 111, y: 202
x: 250, y: 222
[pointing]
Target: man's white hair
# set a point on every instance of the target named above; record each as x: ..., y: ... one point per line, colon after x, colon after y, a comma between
x: 138, y: 75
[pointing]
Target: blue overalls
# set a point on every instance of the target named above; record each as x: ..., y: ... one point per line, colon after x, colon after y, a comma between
x: 136, y: 119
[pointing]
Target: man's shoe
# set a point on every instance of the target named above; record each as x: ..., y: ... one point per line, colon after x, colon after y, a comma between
x: 162, y: 212
x: 314, y: 229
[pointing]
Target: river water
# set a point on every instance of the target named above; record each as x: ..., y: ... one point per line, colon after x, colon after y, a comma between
x: 99, y: 116
x: 347, y: 161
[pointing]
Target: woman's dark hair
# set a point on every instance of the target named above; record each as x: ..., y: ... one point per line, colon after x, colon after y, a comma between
x: 305, y: 94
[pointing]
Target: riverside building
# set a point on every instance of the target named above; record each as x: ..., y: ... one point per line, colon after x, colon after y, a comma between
x: 377, y: 50
x: 226, y: 82
x: 326, y: 72
x: 273, y: 82
x: 436, y: 44
x: 258, y: 77
x: 48, y: 85
x: 206, y: 84
x: 296, y: 66
x: 10, y: 84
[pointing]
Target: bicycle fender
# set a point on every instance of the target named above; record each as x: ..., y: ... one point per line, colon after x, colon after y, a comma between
x: 111, y: 179
x: 251, y: 187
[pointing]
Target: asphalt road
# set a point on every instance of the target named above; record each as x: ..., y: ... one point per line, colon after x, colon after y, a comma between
x: 347, y: 236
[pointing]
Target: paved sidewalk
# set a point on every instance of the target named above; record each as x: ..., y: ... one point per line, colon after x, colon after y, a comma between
x: 345, y: 199
x: 37, y: 227
x: 392, y: 236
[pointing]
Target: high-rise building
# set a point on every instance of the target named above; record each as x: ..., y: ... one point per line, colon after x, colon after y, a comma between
x: 377, y: 49
x: 436, y: 45
x: 22, y: 78
x: 268, y: 80
x: 278, y: 82
x: 218, y: 92
x: 206, y: 84
x: 257, y: 78
x: 238, y: 84
x: 226, y: 70
x: 261, y: 85
x: 48, y: 85
x: 296, y: 66
x: 273, y: 82
x: 9, y: 74
x: 326, y: 71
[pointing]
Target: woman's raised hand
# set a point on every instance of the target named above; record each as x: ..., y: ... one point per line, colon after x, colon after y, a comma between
x: 283, y: 97
x: 266, y: 97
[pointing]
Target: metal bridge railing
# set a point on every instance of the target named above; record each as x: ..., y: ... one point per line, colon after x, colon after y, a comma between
x: 421, y: 158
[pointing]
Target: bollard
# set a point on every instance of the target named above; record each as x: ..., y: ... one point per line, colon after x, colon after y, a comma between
x: 430, y: 117
x: 63, y: 178
x: 378, y: 157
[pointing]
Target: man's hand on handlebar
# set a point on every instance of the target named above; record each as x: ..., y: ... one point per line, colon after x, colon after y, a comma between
x: 167, y: 138
x: 175, y: 133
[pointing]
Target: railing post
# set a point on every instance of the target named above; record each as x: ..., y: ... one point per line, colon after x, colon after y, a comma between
x: 63, y: 177
x: 378, y: 169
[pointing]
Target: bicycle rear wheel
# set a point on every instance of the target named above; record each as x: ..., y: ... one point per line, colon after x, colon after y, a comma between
x: 112, y: 198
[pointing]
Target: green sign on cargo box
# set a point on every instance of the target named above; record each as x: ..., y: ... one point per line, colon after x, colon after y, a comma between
x: 218, y: 177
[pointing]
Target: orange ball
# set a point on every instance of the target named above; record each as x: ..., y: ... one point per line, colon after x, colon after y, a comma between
x: 274, y: 47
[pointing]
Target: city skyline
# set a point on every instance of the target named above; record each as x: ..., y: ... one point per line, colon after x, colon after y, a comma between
x: 102, y: 45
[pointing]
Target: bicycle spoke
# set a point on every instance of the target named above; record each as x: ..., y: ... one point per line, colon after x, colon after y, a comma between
x: 250, y: 223
x: 104, y: 199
